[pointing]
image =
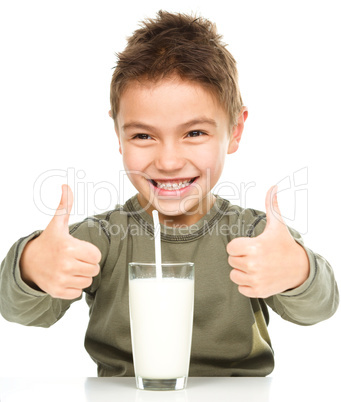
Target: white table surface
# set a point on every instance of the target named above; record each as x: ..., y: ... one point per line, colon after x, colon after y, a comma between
x: 199, y: 389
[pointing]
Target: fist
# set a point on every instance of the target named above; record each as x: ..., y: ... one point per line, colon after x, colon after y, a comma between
x: 56, y: 262
x: 270, y: 263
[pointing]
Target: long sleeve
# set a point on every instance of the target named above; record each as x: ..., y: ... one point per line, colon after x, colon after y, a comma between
x: 19, y: 302
x: 316, y: 299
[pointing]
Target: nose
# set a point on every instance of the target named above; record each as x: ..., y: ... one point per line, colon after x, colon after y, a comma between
x: 169, y: 158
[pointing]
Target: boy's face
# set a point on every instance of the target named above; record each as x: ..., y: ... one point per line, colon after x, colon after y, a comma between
x: 173, y: 137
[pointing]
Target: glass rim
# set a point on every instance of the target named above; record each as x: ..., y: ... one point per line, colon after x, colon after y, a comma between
x: 189, y: 263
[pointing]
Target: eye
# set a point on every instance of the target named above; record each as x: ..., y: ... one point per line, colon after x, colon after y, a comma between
x: 196, y: 133
x: 142, y: 137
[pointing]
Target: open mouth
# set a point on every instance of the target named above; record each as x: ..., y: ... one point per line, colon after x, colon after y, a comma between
x: 173, y: 184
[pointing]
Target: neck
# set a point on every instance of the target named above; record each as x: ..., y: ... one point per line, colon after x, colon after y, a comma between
x: 188, y: 218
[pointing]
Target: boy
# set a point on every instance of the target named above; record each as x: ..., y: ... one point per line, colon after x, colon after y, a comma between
x: 177, y: 110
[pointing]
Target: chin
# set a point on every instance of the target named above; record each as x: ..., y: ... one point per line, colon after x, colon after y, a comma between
x: 177, y: 210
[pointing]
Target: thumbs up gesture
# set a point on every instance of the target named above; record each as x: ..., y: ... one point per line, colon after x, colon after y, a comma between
x: 55, y: 261
x: 270, y: 263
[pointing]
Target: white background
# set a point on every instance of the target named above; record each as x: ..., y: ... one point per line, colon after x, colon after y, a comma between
x: 56, y: 65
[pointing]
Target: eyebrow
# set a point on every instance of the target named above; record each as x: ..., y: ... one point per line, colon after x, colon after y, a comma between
x: 190, y: 123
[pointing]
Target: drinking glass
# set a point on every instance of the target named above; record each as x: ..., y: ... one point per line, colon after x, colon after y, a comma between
x: 161, y: 321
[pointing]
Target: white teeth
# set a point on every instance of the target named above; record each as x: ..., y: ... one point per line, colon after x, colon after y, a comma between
x: 173, y: 186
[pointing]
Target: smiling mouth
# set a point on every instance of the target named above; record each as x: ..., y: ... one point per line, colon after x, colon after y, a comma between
x: 172, y: 184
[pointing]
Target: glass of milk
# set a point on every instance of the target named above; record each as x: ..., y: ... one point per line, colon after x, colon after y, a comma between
x: 161, y: 320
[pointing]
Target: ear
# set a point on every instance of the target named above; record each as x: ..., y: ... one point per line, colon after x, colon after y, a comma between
x: 237, y: 131
x: 117, y: 132
x: 118, y: 137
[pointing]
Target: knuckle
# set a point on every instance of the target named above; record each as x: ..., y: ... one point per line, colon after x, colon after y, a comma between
x: 257, y: 282
x: 65, y: 294
x: 87, y: 283
x: 61, y: 281
x: 97, y: 270
x: 253, y: 248
x: 231, y: 245
x: 260, y: 291
x: 63, y: 245
x: 72, y: 294
x: 57, y: 293
x: 251, y: 265
x: 99, y: 255
x: 67, y: 266
x: 257, y: 290
x: 252, y: 281
x: 96, y: 254
x: 93, y: 253
x: 232, y: 275
x: 244, y: 291
x: 78, y: 293
x: 68, y: 248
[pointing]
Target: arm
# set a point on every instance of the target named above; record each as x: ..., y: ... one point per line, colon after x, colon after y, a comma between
x: 22, y: 303
x: 272, y: 263
x: 42, y: 265
x: 316, y: 299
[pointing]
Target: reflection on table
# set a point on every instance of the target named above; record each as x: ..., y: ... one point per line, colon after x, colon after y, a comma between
x: 199, y: 389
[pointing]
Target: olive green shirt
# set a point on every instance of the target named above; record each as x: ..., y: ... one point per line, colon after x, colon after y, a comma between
x: 230, y: 336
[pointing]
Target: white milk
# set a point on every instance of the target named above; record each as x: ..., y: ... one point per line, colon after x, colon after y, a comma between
x: 161, y: 314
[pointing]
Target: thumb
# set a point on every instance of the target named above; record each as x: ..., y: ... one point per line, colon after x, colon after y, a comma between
x: 60, y: 221
x: 273, y: 213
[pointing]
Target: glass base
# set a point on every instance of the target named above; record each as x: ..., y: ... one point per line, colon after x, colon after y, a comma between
x: 171, y: 384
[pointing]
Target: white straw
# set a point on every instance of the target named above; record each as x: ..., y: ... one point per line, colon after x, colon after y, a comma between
x: 157, y: 240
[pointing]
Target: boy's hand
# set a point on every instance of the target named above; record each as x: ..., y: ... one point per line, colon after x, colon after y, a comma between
x: 270, y: 263
x: 56, y: 262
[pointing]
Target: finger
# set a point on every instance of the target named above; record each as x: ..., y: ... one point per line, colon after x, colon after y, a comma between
x: 273, y: 213
x: 240, y: 246
x: 87, y: 252
x: 67, y: 294
x: 80, y: 268
x: 60, y: 221
x: 247, y: 291
x: 79, y: 282
x: 238, y: 262
x: 240, y: 277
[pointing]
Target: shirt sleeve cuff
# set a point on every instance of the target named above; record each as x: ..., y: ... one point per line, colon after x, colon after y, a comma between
x: 23, y: 286
x: 312, y: 274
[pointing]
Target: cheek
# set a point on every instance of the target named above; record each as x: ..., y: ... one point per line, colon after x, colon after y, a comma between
x: 212, y: 158
x: 133, y: 169
x: 135, y: 164
x: 132, y: 159
x: 213, y: 167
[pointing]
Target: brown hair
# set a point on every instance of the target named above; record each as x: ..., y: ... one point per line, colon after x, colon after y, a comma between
x: 179, y: 44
